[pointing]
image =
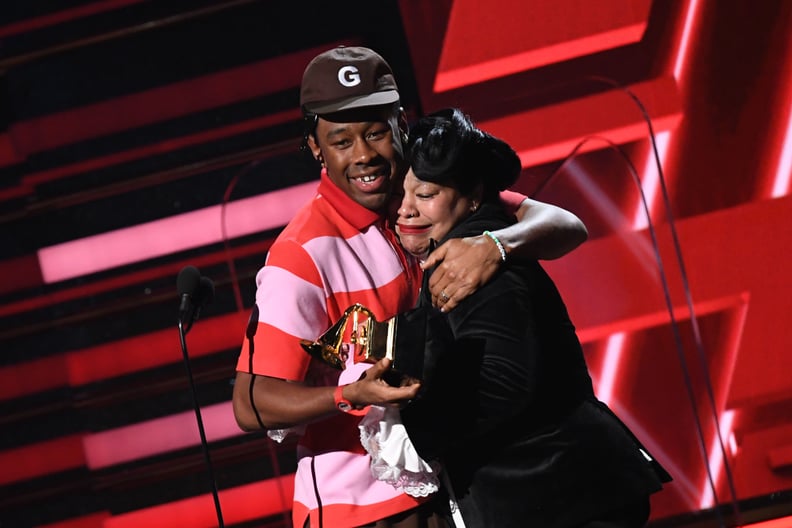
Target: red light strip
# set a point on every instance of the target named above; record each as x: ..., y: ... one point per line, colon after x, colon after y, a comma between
x: 691, y: 20
x: 733, y: 338
x: 783, y: 175
x: 118, y: 446
x: 610, y: 366
x: 593, y: 333
x: 154, y: 350
x: 135, y: 277
x: 117, y: 358
x: 552, y: 132
x: 239, y: 504
x: 169, y: 145
x: 522, y: 36
x: 16, y: 380
x: 42, y: 458
x: 65, y: 15
x: 95, y: 520
x: 161, y: 435
x: 19, y: 191
x: 528, y: 60
x: 715, y: 460
x: 650, y: 182
x: 25, y: 271
x: 781, y: 522
x: 170, y: 235
x: 158, y: 104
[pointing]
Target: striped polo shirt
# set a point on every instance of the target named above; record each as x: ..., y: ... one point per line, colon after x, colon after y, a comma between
x: 333, y: 254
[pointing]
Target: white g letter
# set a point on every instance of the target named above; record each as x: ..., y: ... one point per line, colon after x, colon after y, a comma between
x: 349, y: 76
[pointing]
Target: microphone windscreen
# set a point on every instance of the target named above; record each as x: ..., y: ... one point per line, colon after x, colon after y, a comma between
x: 206, y: 291
x: 188, y: 280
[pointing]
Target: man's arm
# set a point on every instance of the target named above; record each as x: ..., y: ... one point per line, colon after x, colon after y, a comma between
x: 289, y: 304
x: 281, y: 404
x: 542, y: 232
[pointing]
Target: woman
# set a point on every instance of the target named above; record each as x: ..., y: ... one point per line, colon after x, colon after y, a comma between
x: 507, y: 404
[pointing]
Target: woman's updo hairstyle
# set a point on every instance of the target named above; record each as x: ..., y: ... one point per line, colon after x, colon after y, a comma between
x: 446, y: 148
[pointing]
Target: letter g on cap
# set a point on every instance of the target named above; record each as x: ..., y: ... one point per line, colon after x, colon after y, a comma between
x: 349, y: 76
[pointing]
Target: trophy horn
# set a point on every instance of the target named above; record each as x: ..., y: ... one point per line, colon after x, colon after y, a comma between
x: 328, y: 348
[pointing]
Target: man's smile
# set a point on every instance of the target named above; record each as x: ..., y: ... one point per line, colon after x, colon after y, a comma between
x: 369, y: 183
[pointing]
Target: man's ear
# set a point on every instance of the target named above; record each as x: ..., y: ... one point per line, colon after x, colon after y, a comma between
x: 314, y: 146
x: 404, y: 126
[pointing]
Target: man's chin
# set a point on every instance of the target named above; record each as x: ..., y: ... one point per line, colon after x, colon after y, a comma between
x: 374, y: 202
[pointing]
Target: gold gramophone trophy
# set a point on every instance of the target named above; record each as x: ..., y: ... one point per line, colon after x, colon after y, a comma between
x: 358, y: 334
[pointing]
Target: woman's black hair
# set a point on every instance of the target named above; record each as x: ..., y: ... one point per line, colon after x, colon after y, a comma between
x: 448, y: 149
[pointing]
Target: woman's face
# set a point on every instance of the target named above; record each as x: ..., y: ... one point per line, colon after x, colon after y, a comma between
x: 429, y: 211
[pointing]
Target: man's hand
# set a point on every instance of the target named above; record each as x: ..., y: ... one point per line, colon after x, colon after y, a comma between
x: 463, y: 265
x: 371, y: 389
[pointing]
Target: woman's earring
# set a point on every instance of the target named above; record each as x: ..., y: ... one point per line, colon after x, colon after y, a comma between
x: 405, y: 137
x: 320, y: 159
x: 475, y: 206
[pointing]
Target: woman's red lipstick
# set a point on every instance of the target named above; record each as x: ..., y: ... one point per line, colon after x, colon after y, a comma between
x: 413, y: 229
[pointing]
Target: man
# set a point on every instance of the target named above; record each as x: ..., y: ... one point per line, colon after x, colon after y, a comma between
x: 338, y: 251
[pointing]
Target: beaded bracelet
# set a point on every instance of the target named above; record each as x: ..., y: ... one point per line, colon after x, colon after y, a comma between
x: 497, y: 243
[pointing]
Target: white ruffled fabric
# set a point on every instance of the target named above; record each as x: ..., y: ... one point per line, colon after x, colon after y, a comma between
x: 393, y: 456
x: 279, y: 435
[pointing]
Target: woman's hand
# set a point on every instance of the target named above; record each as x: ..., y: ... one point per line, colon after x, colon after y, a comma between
x: 463, y: 265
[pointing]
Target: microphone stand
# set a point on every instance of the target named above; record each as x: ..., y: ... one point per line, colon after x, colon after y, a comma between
x: 199, y: 420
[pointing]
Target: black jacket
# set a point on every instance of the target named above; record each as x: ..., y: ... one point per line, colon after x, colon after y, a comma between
x: 507, y: 405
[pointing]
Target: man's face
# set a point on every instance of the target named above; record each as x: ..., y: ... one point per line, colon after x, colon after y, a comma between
x: 359, y: 151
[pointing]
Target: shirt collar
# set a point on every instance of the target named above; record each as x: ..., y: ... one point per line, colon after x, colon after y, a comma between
x: 351, y: 211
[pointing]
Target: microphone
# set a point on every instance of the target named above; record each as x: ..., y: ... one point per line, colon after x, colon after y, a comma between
x: 195, y: 291
x: 187, y: 284
x: 204, y: 295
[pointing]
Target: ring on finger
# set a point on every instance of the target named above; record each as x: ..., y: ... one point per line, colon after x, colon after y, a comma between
x: 444, y: 296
